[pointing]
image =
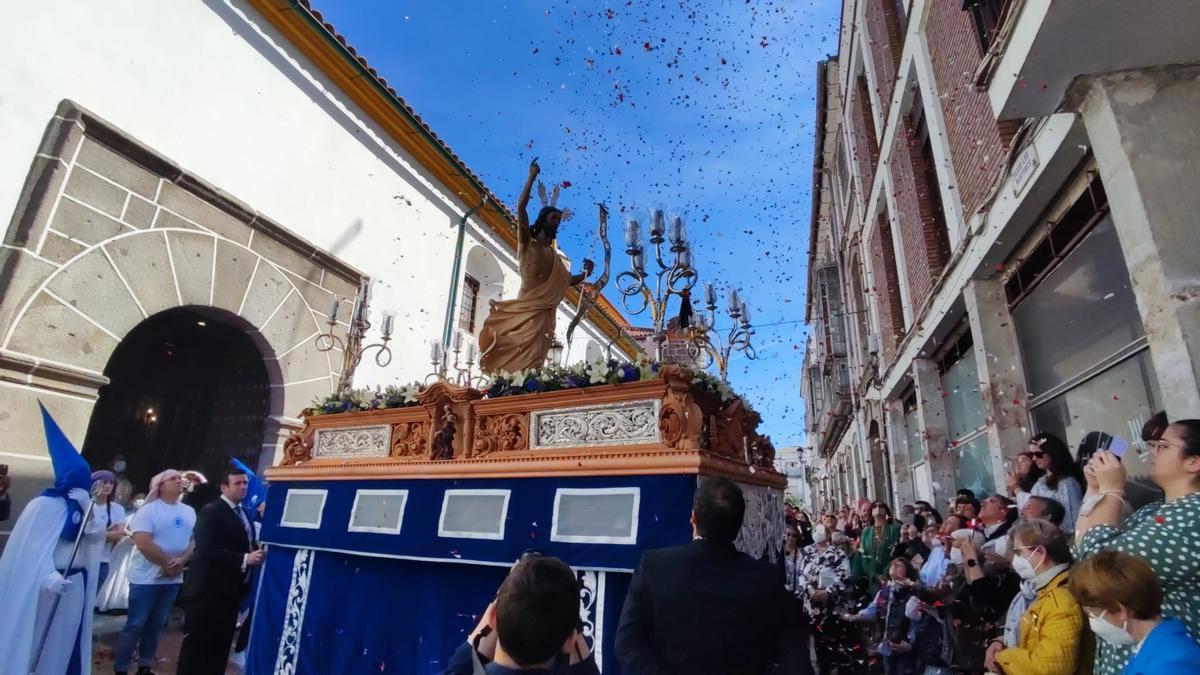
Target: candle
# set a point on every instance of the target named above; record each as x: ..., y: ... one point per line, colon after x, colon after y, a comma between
x: 388, y: 318
x: 435, y: 351
x: 710, y: 295
x: 470, y: 352
x: 735, y: 303
x: 333, y: 311
x: 678, y: 232
x: 745, y: 314
x: 458, y: 341
x: 656, y: 225
x: 633, y: 234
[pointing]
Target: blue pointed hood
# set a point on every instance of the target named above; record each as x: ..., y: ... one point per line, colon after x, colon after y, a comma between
x: 256, y: 491
x: 70, y: 471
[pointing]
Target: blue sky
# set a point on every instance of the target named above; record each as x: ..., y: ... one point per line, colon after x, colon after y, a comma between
x: 703, y: 107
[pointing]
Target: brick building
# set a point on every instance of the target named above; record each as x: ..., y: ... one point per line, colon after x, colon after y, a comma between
x: 999, y: 238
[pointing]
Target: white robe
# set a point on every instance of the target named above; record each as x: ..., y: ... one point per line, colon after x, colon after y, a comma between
x: 34, y: 551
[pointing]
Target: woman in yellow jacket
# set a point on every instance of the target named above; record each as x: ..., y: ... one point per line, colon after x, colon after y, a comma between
x: 1051, y: 636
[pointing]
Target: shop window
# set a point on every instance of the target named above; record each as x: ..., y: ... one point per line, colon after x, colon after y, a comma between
x: 1082, y: 313
x: 303, y: 508
x: 378, y: 511
x: 596, y: 516
x: 973, y: 468
x: 474, y: 514
x: 1118, y: 401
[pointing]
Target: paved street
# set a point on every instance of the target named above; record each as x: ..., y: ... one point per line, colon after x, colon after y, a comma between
x: 108, y: 626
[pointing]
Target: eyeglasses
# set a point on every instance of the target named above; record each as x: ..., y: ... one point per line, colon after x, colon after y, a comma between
x: 1037, y: 455
x: 1159, y: 445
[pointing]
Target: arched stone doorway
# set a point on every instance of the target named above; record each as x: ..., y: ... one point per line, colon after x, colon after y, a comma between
x: 109, y: 235
x: 188, y: 389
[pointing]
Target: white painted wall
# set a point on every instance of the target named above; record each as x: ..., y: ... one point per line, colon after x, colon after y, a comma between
x: 212, y: 86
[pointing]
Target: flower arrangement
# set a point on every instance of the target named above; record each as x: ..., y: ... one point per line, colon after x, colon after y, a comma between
x: 595, y: 373
x: 362, y: 399
x: 530, y: 381
x: 578, y: 376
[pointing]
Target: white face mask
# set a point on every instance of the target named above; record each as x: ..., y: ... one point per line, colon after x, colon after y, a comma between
x: 956, y: 556
x: 1111, y: 634
x: 1023, y: 567
x: 820, y: 536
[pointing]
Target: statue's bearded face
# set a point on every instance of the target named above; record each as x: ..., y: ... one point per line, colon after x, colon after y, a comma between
x: 552, y: 221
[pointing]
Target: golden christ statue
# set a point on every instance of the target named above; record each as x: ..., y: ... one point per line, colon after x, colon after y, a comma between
x: 517, y: 334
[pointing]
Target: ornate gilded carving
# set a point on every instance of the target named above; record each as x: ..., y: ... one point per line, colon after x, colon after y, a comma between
x: 500, y: 433
x: 680, y: 420
x: 296, y: 449
x: 410, y: 439
x: 369, y: 441
x: 630, y: 423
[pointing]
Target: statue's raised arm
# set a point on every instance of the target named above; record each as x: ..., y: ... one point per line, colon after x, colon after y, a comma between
x: 523, y: 204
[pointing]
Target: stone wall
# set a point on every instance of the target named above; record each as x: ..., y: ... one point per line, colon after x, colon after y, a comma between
x: 108, y: 233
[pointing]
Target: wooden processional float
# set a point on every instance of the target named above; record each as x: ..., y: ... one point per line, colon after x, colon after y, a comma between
x: 389, y: 531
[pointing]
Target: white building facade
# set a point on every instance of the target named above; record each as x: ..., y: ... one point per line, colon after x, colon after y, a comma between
x: 229, y: 166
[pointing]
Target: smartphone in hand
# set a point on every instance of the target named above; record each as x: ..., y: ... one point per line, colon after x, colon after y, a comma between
x: 1118, y: 447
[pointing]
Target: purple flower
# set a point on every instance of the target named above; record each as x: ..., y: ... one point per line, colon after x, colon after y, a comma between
x: 574, y: 380
x: 629, y: 373
x: 533, y: 385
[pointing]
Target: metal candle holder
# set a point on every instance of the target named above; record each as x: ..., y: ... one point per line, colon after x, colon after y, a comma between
x: 352, y: 347
x: 463, y: 370
x: 676, y: 278
x: 707, y: 341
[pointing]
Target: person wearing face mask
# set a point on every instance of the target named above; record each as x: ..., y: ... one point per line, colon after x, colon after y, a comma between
x: 1165, y: 534
x: 122, y: 488
x: 878, y: 540
x: 1122, y: 598
x: 1044, y: 630
x: 824, y: 574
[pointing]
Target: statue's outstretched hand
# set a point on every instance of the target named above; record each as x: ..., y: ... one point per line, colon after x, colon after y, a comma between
x: 588, y: 266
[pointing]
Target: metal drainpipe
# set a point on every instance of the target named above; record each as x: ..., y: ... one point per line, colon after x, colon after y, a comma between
x: 447, y: 328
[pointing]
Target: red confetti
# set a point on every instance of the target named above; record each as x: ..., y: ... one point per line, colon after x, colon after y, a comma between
x: 617, y: 51
x: 647, y: 47
x: 1016, y: 401
x: 999, y: 267
x: 1160, y: 520
x: 1115, y: 397
x: 566, y: 183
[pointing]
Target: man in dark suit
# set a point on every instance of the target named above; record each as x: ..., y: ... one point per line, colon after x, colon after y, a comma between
x: 704, y: 607
x: 217, y: 579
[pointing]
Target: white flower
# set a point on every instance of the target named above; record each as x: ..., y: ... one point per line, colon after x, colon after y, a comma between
x: 598, y: 370
x: 518, y: 378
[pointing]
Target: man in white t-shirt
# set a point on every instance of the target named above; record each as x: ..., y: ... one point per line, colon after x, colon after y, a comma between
x: 162, y: 534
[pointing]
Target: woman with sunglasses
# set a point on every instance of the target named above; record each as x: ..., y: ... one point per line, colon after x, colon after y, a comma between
x: 1060, y: 478
x: 1165, y: 534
